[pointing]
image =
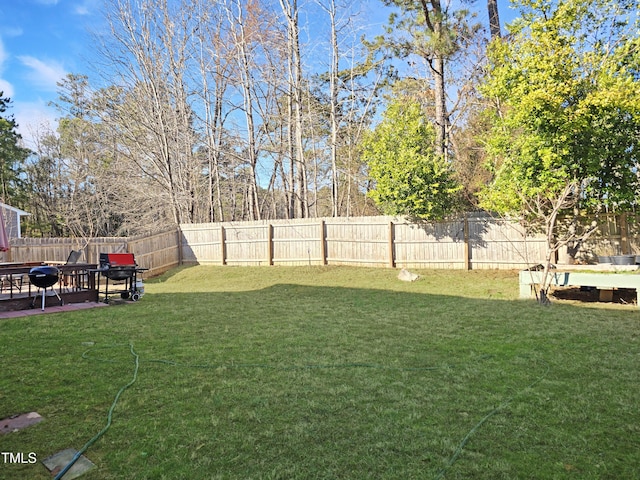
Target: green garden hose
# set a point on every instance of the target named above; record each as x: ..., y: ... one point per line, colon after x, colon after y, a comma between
x: 109, y: 418
x: 464, y: 441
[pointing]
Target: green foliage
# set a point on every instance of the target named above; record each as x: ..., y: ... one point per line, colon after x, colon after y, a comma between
x: 409, y: 178
x: 566, y: 85
x: 428, y: 29
x: 12, y: 156
x: 72, y: 181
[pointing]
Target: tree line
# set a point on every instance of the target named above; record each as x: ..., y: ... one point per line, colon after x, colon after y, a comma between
x: 232, y: 110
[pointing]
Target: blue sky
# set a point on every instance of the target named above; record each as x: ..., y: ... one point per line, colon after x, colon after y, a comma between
x: 41, y: 41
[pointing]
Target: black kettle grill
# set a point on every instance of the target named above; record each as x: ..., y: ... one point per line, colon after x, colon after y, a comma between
x: 44, y: 277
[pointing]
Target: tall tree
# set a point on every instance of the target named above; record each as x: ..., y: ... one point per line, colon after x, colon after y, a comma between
x: 148, y: 56
x: 349, y: 88
x: 215, y: 56
x: 44, y: 183
x: 435, y: 32
x: 72, y: 182
x: 295, y: 105
x: 246, y: 21
x: 334, y: 70
x: 84, y: 184
x: 566, y: 136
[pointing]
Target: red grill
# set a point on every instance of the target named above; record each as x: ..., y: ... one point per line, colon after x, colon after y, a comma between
x: 121, y: 267
x: 118, y: 259
x: 118, y: 266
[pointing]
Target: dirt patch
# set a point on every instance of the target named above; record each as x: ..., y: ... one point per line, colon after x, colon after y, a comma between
x: 623, y: 296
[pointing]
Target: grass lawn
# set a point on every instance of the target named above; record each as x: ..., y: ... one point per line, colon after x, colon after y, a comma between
x: 329, y: 373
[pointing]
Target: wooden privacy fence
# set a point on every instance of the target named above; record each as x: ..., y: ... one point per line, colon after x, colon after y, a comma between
x: 158, y: 252
x: 474, y: 242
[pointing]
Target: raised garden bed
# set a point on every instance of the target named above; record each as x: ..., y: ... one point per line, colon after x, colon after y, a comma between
x: 604, y: 282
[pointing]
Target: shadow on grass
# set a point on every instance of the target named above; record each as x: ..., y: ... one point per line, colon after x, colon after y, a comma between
x: 304, y: 381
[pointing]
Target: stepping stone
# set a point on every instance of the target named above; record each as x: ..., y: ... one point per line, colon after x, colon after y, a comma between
x: 18, y: 422
x: 57, y: 462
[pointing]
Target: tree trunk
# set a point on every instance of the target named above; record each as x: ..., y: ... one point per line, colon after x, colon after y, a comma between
x: 442, y: 114
x: 290, y: 11
x: 243, y: 58
x: 434, y: 21
x: 333, y: 94
x: 494, y: 19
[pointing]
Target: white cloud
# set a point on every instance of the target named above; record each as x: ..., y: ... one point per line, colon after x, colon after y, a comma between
x: 11, y: 31
x: 44, y: 75
x: 3, y: 54
x: 86, y: 7
x: 6, y: 88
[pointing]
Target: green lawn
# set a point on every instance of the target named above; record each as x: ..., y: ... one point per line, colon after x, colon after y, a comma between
x: 329, y: 373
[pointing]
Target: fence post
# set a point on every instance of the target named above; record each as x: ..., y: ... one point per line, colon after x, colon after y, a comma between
x: 323, y: 243
x: 391, y: 249
x: 223, y: 246
x: 467, y: 244
x: 179, y: 245
x: 270, y: 244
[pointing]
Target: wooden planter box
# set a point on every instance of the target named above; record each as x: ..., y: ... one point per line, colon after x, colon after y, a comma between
x: 605, y: 282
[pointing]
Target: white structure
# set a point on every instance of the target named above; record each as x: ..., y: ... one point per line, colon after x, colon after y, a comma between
x: 605, y: 282
x: 12, y: 217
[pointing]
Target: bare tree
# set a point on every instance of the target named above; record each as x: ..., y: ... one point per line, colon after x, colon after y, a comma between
x: 334, y: 68
x: 545, y: 215
x: 148, y: 53
x: 245, y: 31
x: 215, y: 61
x: 78, y: 163
x: 208, y: 112
x: 296, y: 105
